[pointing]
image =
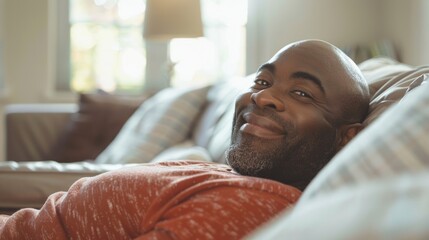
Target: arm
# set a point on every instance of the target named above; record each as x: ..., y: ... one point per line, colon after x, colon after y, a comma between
x: 147, y: 201
x: 224, y: 212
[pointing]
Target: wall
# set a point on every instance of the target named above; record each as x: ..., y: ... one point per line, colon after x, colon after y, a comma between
x: 407, y: 23
x: 2, y: 91
x: 274, y: 23
x: 26, y: 55
x: 26, y: 49
x: 1, y: 46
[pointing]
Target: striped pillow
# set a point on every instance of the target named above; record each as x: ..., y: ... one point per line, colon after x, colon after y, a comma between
x: 396, y: 143
x: 160, y: 122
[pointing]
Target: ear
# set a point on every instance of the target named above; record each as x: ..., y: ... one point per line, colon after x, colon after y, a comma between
x: 347, y: 133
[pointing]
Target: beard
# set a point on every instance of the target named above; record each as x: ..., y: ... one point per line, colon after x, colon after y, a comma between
x: 294, y: 159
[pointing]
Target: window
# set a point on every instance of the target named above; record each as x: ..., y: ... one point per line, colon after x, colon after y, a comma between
x: 100, y: 45
x: 221, y: 54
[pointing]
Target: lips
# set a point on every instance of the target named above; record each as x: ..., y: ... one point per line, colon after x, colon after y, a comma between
x: 261, y: 126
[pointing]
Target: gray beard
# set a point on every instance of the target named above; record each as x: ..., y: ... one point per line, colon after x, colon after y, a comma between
x: 294, y: 164
x: 249, y: 163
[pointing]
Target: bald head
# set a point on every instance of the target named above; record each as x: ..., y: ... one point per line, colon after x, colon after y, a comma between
x: 325, y: 58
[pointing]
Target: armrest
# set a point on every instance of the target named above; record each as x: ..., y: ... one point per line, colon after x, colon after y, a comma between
x: 28, y: 184
x: 32, y: 129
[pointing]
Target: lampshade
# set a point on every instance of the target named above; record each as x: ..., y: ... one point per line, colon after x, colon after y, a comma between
x: 167, y: 19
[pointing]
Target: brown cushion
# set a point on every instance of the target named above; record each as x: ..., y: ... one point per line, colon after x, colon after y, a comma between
x: 94, y: 126
x: 391, y: 89
x: 389, y: 81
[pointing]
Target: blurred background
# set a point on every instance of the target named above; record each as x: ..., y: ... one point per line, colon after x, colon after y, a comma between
x: 50, y: 50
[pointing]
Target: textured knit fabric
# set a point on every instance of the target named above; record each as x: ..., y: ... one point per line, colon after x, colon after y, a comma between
x: 175, y: 200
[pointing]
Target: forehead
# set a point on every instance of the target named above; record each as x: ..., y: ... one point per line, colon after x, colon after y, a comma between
x: 316, y: 60
x: 322, y: 62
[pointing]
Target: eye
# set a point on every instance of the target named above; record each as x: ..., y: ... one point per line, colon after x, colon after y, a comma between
x: 301, y: 93
x: 262, y: 83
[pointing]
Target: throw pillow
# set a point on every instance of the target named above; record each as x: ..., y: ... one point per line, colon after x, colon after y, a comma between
x: 388, y: 82
x: 161, y: 122
x: 94, y: 126
x: 394, y: 209
x: 213, y: 131
x: 186, y: 150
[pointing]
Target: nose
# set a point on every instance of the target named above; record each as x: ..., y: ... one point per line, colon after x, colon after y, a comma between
x: 267, y: 98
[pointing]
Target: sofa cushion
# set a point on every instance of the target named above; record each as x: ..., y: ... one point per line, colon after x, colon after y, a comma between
x: 32, y: 129
x: 94, y: 126
x: 160, y: 122
x: 375, y: 69
x: 213, y: 130
x: 389, y: 81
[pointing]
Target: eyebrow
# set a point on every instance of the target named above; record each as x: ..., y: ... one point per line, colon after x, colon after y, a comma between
x: 302, y: 75
x: 267, y: 66
x: 310, y: 77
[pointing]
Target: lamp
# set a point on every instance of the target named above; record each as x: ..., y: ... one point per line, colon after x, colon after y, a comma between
x: 165, y: 20
x: 168, y: 19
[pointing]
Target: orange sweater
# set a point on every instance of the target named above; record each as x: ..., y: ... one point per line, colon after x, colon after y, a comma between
x: 175, y: 200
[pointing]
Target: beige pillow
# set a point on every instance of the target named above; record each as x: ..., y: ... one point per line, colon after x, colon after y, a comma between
x: 162, y: 121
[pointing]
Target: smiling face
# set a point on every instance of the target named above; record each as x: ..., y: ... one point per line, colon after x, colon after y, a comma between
x: 295, y: 116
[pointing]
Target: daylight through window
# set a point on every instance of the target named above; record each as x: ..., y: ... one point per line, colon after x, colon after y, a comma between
x: 107, y: 51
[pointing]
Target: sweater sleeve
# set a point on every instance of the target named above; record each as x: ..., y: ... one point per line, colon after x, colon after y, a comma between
x: 30, y: 223
x: 224, y: 212
x: 154, y: 202
x: 108, y: 206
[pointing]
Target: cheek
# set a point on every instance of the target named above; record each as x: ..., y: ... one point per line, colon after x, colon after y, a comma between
x: 241, y: 102
x: 309, y: 121
x: 243, y: 98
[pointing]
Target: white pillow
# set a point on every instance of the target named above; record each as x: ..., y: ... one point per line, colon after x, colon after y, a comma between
x: 393, y: 209
x: 160, y: 122
x: 186, y: 150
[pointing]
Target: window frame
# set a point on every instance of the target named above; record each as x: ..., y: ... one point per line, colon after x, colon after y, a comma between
x: 60, y: 65
x: 62, y: 45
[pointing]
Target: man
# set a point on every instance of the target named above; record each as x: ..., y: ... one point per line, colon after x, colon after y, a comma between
x: 305, y: 104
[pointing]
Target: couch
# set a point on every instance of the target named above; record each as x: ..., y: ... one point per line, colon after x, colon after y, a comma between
x: 49, y: 146
x: 183, y: 123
